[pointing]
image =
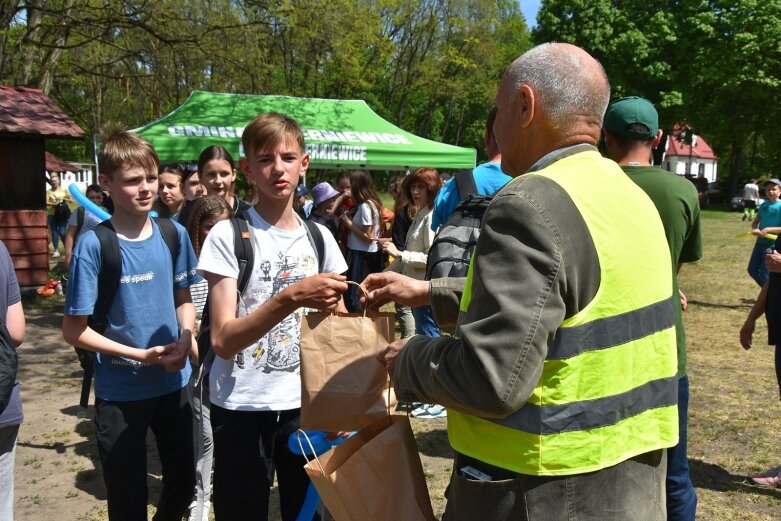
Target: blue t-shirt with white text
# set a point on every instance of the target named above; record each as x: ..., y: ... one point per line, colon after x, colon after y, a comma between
x: 142, y: 315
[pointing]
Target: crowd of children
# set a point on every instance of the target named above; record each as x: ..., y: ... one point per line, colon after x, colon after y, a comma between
x: 239, y: 407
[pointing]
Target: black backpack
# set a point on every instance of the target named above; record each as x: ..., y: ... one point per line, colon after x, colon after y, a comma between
x: 455, y: 241
x: 242, y: 247
x: 108, y: 283
x: 9, y: 365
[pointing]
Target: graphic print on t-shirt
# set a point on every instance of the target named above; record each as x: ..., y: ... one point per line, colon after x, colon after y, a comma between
x: 278, y: 350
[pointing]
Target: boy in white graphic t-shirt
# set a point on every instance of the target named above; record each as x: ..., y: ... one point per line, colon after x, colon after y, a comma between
x: 255, y: 386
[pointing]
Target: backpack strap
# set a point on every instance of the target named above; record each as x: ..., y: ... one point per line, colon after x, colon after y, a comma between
x: 318, y: 244
x: 108, y: 274
x: 79, y: 221
x: 465, y: 181
x: 245, y: 255
x: 170, y: 236
x: 242, y: 247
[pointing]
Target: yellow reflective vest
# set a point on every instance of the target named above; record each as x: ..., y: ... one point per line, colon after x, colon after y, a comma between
x: 608, y: 389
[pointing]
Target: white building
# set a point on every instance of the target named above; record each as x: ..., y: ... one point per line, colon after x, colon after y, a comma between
x: 698, y: 160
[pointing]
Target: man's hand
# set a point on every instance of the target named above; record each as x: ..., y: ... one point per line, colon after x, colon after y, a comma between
x: 388, y: 356
x: 322, y: 291
x: 684, y: 300
x: 389, y: 286
x: 746, y: 334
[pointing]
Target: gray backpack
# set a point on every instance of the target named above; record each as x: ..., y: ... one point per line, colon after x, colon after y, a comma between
x: 456, y: 239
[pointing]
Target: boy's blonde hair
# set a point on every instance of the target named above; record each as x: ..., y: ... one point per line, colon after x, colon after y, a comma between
x: 268, y: 130
x: 123, y: 149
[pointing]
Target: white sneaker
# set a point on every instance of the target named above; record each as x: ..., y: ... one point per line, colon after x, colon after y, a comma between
x: 55, y: 254
x: 427, y: 411
x: 205, y: 514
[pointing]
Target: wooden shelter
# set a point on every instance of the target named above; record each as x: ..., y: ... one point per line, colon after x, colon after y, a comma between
x: 27, y: 118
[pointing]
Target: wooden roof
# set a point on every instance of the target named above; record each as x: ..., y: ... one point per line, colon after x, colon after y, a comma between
x: 28, y: 111
x: 55, y: 164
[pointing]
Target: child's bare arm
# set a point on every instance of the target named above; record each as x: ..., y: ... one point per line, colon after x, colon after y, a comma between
x: 230, y: 335
x: 747, y: 331
x: 185, y: 316
x: 770, y: 229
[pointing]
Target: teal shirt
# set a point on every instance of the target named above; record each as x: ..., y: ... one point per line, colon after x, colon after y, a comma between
x: 769, y: 216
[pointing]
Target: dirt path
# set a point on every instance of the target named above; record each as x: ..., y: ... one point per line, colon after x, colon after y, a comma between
x: 56, y: 476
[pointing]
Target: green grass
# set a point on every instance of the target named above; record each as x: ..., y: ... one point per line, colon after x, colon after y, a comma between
x: 721, y: 213
x: 734, y: 409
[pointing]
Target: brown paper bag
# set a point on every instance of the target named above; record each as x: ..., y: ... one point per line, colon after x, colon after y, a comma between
x: 343, y: 385
x: 374, y: 476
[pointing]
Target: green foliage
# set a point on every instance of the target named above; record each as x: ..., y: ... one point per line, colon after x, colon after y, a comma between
x: 430, y: 66
x: 712, y: 64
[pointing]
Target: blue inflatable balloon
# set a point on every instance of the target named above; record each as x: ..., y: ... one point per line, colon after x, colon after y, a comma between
x: 318, y: 441
x: 309, y: 508
x: 84, y: 201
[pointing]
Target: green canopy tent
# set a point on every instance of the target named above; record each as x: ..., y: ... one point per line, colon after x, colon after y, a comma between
x: 338, y: 133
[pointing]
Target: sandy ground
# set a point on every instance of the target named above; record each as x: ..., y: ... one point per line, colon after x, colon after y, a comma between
x: 56, y: 458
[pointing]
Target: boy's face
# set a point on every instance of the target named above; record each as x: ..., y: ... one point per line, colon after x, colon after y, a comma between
x: 132, y: 189
x: 275, y: 170
x: 772, y: 191
x: 95, y: 197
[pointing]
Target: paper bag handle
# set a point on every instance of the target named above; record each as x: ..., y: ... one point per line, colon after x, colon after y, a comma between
x: 299, y: 432
x: 365, y: 293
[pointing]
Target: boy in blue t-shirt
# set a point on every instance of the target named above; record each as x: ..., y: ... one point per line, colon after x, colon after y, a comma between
x: 141, y: 368
x: 768, y: 220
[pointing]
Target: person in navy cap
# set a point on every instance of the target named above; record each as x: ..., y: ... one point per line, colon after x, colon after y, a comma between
x: 302, y: 204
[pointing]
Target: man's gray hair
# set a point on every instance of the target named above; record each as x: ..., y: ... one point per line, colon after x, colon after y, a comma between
x: 563, y: 82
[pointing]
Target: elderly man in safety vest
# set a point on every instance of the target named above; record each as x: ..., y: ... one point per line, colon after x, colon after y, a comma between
x: 560, y: 382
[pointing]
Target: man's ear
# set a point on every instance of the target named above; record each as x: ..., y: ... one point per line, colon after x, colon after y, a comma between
x: 657, y: 139
x: 525, y: 103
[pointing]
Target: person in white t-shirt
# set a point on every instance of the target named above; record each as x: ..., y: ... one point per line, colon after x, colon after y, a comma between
x: 750, y: 199
x: 363, y: 250
x: 255, y: 385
